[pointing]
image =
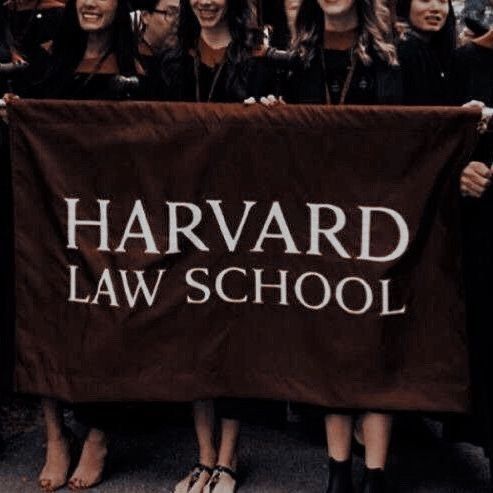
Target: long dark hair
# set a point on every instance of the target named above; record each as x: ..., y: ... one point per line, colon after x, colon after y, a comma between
x: 69, y: 45
x: 274, y: 15
x: 241, y: 23
x: 375, y: 31
x: 443, y: 41
x: 6, y: 38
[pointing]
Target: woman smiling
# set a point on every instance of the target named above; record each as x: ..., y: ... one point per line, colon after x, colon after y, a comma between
x: 103, y: 51
x: 215, y: 61
x: 348, y: 58
x: 425, y: 51
x: 347, y: 52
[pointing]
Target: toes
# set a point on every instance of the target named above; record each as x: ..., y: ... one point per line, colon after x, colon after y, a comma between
x: 73, y: 484
x: 77, y: 484
x: 45, y: 485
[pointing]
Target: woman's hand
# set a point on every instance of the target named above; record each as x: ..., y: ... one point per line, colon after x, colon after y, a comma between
x: 267, y: 101
x: 475, y: 179
x: 6, y: 99
x: 474, y: 104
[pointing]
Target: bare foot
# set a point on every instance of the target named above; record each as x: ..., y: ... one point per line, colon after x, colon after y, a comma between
x: 198, y: 478
x: 54, y: 473
x: 221, y: 482
x: 89, y: 471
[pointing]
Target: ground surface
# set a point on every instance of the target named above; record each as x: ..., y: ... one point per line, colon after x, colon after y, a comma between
x: 275, y: 457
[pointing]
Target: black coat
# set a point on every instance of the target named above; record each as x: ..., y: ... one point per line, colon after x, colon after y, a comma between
x: 424, y: 75
x: 472, y: 78
x: 377, y: 83
x: 237, y: 81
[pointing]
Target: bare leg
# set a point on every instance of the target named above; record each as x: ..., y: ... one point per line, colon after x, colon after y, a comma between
x: 89, y: 471
x: 230, y: 430
x: 339, y: 429
x: 225, y: 482
x: 204, y: 417
x: 377, y: 430
x: 54, y: 473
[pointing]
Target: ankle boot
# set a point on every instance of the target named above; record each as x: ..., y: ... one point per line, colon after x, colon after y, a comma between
x: 374, y: 481
x: 340, y: 478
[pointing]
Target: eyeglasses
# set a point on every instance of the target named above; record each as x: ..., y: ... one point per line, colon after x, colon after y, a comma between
x: 168, y: 14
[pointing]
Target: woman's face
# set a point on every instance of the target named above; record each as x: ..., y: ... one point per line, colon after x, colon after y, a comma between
x: 337, y: 8
x: 96, y: 15
x: 209, y: 13
x: 428, y: 15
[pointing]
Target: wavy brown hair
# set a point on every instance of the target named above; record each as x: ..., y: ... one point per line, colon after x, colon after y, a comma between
x: 375, y: 31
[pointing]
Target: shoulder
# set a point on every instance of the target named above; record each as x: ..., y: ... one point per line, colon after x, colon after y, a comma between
x: 472, y: 53
x: 411, y: 48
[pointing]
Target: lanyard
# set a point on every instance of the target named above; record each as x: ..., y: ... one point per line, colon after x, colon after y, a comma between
x: 217, y: 74
x: 347, y: 82
x: 97, y: 68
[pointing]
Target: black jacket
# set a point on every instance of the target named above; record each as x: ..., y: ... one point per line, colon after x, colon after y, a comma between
x: 236, y: 82
x: 383, y: 84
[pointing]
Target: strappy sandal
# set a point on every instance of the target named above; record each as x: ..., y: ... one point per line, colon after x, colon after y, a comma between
x: 216, y: 477
x: 197, y: 470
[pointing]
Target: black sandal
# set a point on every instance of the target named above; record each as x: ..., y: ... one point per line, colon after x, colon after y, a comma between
x: 197, y: 470
x: 216, y: 476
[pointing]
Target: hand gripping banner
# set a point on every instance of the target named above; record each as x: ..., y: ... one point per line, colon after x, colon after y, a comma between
x: 185, y: 251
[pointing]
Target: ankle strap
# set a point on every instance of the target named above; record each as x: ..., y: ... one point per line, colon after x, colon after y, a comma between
x: 202, y: 467
x: 197, y: 470
x: 220, y: 469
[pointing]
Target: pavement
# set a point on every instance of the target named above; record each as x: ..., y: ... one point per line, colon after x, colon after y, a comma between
x: 275, y: 457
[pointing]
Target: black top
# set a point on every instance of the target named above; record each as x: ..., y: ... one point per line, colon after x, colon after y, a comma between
x: 229, y: 82
x: 471, y: 78
x: 424, y: 76
x: 377, y: 83
x: 49, y: 83
x: 472, y: 74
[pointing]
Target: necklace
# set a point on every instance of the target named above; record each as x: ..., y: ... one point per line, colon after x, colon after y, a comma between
x: 347, y: 82
x: 217, y: 74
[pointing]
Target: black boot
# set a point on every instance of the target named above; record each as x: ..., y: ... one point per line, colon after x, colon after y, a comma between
x: 340, y: 480
x: 374, y: 481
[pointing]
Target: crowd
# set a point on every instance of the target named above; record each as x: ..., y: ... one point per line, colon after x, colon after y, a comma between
x: 276, y: 51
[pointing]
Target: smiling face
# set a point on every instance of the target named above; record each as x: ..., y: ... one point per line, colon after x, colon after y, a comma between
x: 96, y: 15
x: 429, y: 15
x: 338, y: 8
x: 209, y: 13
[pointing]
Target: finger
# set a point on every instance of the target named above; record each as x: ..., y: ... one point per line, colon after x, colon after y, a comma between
x: 249, y: 101
x: 478, y: 168
x: 265, y: 101
x: 473, y: 189
x: 469, y: 192
x: 474, y: 104
x: 480, y: 181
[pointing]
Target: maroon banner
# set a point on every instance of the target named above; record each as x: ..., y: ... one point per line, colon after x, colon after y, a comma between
x: 176, y: 252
